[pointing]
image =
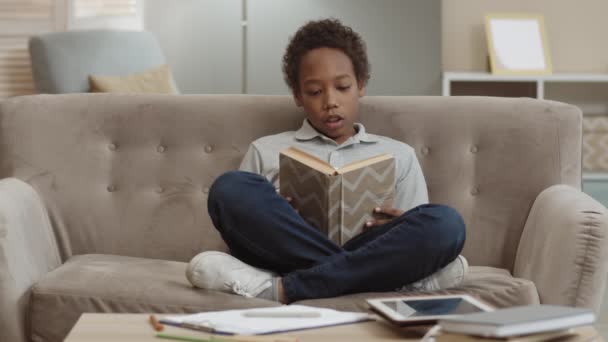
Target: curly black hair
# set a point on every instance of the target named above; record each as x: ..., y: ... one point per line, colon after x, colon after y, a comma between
x: 329, y: 33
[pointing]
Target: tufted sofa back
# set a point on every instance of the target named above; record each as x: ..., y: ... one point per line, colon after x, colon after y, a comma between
x: 129, y: 174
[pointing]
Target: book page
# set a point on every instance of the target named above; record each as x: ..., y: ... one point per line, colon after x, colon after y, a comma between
x: 365, y: 162
x: 308, y: 188
x: 309, y: 160
x: 363, y: 189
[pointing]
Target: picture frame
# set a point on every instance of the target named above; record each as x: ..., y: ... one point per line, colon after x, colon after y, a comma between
x: 517, y: 44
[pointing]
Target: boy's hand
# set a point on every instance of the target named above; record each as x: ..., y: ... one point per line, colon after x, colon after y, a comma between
x: 290, y: 200
x: 382, y: 216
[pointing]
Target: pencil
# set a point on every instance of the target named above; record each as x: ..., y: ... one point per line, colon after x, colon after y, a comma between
x: 182, y: 338
x: 277, y: 314
x: 233, y: 338
x: 156, y: 324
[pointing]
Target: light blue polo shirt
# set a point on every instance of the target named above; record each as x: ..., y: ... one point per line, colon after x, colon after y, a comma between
x: 410, y: 187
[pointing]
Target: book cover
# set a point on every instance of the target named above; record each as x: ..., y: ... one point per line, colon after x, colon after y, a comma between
x: 519, y: 320
x: 568, y: 335
x: 337, y: 201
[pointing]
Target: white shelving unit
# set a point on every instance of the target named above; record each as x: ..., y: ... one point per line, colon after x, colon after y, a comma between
x: 449, y: 77
x: 539, y: 81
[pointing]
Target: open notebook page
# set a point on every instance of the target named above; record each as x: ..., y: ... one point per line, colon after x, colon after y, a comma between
x: 236, y: 321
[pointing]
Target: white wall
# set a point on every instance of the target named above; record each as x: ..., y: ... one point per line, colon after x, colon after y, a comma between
x: 202, y: 40
x: 402, y: 36
x: 575, y: 32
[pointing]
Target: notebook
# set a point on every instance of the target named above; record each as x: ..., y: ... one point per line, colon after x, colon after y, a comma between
x: 519, y: 320
x: 265, y: 320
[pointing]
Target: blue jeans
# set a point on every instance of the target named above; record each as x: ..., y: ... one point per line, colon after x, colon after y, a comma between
x: 262, y: 229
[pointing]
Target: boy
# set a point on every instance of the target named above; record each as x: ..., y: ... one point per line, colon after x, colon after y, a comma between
x: 276, y: 254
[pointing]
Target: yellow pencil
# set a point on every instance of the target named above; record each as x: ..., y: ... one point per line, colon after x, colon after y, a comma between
x: 231, y: 338
x: 155, y: 323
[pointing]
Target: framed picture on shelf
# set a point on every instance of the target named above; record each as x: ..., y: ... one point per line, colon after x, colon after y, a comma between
x: 517, y: 44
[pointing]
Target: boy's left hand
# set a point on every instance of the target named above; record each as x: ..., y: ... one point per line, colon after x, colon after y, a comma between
x: 382, y: 216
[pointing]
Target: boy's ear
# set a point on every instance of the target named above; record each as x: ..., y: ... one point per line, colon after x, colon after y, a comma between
x: 297, y: 100
x: 362, y: 91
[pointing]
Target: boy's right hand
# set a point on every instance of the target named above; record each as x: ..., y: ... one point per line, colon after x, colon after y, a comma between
x: 383, y: 215
x: 290, y: 201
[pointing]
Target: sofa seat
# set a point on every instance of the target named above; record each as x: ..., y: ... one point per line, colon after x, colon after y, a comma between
x: 111, y: 283
x: 494, y: 286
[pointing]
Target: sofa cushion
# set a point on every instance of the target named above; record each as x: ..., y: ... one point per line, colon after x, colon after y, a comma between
x: 109, y: 283
x: 492, y: 285
x: 595, y: 140
x: 155, y: 80
x: 145, y: 162
x: 61, y: 61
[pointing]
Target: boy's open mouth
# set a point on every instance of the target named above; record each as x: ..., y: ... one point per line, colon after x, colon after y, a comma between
x: 334, y: 122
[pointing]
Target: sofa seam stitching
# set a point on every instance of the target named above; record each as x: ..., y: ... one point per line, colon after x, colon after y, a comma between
x: 588, y: 229
x: 108, y: 299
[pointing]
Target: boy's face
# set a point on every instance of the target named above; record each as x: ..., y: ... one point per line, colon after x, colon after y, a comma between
x: 329, y: 92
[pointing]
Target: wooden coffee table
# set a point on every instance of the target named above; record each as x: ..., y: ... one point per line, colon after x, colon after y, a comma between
x: 92, y: 327
x: 98, y: 327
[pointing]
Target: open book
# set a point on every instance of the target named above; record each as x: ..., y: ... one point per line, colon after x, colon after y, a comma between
x: 337, y: 201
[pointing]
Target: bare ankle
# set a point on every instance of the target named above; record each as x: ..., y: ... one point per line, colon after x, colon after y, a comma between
x: 281, y: 291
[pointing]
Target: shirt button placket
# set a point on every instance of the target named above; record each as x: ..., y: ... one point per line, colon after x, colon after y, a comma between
x: 335, y: 159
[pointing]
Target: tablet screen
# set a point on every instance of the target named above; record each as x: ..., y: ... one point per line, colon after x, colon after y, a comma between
x: 431, y: 307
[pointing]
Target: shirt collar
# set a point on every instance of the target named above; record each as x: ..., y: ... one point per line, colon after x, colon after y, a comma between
x: 307, y: 132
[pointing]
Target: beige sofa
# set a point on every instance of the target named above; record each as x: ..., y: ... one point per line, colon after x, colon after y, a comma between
x: 103, y: 199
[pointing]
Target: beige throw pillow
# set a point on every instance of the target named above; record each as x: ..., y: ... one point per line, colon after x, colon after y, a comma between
x: 155, y: 80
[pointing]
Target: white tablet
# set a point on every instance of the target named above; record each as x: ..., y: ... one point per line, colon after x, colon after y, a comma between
x: 426, y: 309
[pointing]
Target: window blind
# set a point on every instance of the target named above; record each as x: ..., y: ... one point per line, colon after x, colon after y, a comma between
x: 97, y: 8
x: 15, y: 70
x: 25, y: 9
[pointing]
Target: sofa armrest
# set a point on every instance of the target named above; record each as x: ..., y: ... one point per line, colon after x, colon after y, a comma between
x: 564, y: 248
x: 28, y: 251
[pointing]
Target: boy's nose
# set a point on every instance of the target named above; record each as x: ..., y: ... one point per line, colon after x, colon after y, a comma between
x: 330, y: 101
x: 331, y: 105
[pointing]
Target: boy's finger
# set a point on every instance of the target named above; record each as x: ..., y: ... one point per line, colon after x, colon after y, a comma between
x: 374, y: 223
x: 394, y: 212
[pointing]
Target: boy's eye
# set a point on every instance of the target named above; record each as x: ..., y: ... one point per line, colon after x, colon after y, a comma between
x: 344, y: 88
x: 313, y: 92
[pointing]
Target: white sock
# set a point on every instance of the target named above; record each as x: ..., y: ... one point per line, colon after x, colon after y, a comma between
x: 271, y: 293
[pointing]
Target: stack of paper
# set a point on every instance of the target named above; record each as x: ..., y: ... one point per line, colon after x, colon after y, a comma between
x: 265, y: 320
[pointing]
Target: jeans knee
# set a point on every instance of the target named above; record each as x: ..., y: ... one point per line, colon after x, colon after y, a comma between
x: 227, y: 186
x: 450, y: 229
